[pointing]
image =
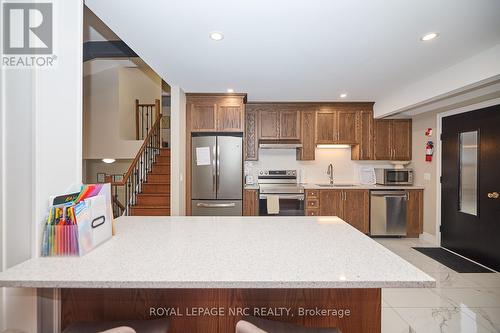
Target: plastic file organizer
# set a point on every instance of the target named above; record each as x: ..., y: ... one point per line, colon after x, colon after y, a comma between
x: 78, y: 222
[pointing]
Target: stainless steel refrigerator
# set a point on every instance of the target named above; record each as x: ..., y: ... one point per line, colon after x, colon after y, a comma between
x: 216, y: 175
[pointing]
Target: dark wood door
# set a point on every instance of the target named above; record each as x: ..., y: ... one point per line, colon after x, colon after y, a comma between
x: 470, y: 207
x: 347, y: 126
x: 401, y: 140
x: 356, y: 209
x: 330, y: 203
x: 289, y: 128
x: 382, y: 145
x: 269, y: 125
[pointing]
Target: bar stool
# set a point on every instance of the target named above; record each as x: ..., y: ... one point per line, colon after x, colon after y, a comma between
x: 129, y: 326
x: 260, y: 325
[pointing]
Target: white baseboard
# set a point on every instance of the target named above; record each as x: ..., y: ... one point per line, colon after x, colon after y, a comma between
x: 427, y: 237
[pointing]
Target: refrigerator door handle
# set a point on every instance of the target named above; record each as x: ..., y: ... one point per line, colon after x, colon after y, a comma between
x: 218, y: 167
x: 214, y: 175
x: 217, y: 205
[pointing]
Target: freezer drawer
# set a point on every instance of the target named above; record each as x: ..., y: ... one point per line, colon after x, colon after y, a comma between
x: 216, y: 208
x: 388, y: 213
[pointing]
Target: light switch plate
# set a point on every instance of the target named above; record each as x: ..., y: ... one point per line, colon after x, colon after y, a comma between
x: 427, y: 176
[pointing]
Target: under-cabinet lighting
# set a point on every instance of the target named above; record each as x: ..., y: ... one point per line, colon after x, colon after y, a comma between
x: 230, y: 90
x: 343, y: 95
x: 108, y: 160
x: 333, y: 146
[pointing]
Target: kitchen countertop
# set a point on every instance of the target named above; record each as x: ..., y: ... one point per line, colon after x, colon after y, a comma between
x: 314, y: 186
x: 225, y: 252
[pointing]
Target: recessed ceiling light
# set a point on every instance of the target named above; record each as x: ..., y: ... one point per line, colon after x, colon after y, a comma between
x: 343, y: 95
x: 108, y: 160
x: 216, y: 35
x: 230, y: 90
x: 429, y: 36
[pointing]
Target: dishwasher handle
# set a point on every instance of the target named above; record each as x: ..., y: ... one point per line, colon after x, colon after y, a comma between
x: 388, y: 193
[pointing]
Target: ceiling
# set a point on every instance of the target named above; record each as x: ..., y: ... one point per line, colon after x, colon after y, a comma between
x: 307, y: 50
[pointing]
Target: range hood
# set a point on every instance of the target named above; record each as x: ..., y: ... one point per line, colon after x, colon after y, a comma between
x: 280, y: 145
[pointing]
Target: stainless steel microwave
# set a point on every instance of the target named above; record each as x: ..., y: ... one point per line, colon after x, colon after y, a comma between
x: 394, y: 176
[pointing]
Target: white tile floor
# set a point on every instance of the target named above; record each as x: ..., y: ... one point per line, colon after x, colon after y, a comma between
x: 461, y: 303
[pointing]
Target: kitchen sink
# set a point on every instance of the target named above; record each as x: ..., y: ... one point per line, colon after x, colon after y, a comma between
x: 335, y: 185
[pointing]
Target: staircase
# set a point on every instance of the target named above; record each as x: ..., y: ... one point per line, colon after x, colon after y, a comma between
x: 145, y: 187
x: 154, y: 199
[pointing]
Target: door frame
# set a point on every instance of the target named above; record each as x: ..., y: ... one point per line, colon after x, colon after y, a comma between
x: 439, y: 128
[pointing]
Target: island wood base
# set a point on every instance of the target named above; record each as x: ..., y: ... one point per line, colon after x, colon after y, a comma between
x: 364, y: 307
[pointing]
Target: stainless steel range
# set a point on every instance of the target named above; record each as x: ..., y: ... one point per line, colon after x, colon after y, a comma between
x: 283, y: 184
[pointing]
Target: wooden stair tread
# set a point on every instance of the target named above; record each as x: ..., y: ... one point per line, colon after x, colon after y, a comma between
x: 151, y: 207
x: 155, y: 194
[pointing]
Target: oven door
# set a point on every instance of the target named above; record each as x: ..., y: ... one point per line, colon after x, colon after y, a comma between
x: 290, y: 205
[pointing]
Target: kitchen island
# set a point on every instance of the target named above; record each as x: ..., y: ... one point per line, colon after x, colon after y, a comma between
x: 236, y: 264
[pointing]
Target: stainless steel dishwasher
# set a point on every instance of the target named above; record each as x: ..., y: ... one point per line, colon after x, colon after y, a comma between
x: 388, y: 212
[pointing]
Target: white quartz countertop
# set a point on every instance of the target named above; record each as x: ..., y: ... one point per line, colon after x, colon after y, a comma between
x: 312, y: 186
x: 225, y: 252
x: 341, y: 186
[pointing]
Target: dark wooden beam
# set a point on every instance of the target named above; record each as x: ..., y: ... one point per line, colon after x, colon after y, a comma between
x: 107, y: 49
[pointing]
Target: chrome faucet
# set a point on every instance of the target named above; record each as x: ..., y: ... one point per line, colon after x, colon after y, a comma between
x: 329, y: 172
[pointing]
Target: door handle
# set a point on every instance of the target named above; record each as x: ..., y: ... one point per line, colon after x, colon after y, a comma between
x: 493, y: 195
x: 220, y: 205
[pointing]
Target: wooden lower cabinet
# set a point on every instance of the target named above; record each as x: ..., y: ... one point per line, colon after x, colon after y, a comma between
x: 356, y: 209
x: 415, y: 213
x: 350, y: 205
x: 250, y: 202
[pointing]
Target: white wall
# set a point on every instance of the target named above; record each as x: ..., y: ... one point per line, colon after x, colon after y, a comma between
x: 178, y: 152
x: 345, y: 170
x: 38, y: 106
x: 419, y: 124
x: 109, y: 111
x: 455, y: 78
x: 135, y: 84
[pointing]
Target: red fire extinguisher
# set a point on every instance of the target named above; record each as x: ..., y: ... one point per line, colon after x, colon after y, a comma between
x: 429, y: 151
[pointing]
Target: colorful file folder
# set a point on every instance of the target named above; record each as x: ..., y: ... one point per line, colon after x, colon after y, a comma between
x: 78, y: 222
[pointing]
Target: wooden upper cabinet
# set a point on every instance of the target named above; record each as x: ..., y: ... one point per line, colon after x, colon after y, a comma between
x: 216, y: 112
x: 382, y: 139
x: 347, y: 123
x: 392, y: 139
x: 331, y: 203
x: 326, y: 125
x: 401, y: 139
x: 364, y: 150
x: 203, y: 116
x: 275, y: 124
x: 289, y: 126
x: 336, y: 125
x: 230, y: 118
x: 308, y: 131
x: 269, y: 124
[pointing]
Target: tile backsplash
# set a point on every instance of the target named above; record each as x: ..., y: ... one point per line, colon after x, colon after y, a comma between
x: 344, y: 169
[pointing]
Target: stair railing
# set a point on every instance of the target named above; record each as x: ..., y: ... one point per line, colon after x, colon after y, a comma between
x: 144, y: 118
x: 137, y: 173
